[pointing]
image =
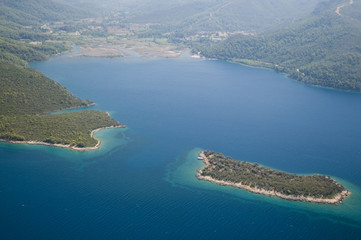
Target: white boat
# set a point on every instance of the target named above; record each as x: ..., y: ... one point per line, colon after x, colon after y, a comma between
x: 200, y: 158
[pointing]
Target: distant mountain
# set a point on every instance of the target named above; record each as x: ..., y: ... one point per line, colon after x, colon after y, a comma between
x: 323, y: 50
x: 32, y: 12
x: 20, y: 24
x: 207, y: 15
x: 228, y: 15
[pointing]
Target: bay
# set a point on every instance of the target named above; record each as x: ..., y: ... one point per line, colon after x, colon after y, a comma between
x: 141, y: 183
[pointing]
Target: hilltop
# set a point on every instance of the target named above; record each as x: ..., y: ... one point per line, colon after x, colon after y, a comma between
x: 323, y: 50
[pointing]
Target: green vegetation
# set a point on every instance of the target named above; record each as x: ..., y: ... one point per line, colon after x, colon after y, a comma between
x: 26, y: 93
x: 189, y: 16
x: 253, y: 175
x: 323, y: 50
x: 68, y: 129
x: 32, y: 12
x: 183, y: 20
x: 24, y: 32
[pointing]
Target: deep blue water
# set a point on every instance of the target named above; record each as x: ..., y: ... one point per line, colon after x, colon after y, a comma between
x: 141, y: 184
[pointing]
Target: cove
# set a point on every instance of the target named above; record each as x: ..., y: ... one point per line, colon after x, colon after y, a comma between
x: 141, y: 184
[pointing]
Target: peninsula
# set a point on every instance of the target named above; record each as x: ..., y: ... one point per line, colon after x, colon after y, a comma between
x: 26, y: 96
x: 262, y: 180
x: 68, y: 130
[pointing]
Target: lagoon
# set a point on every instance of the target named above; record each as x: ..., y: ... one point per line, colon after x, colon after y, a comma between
x: 141, y: 184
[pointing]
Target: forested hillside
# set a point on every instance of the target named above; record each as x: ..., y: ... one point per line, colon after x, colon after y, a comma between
x: 323, y: 50
x: 189, y: 16
x: 231, y: 15
x: 34, y: 12
x: 26, y: 93
x: 23, y: 33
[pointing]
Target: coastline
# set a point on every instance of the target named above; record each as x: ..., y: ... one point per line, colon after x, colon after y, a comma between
x: 70, y: 108
x: 335, y: 200
x: 96, y: 147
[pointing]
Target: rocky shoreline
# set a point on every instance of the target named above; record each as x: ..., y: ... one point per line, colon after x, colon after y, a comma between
x: 336, y: 200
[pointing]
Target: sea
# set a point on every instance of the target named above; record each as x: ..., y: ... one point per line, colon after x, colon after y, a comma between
x: 141, y: 183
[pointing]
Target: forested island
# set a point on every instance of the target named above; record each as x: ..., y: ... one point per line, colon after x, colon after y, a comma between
x: 263, y: 180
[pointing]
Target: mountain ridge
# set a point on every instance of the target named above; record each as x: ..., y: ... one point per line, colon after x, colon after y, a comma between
x: 322, y: 50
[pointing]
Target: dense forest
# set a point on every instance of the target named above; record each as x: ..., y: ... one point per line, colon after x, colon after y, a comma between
x: 24, y: 36
x: 34, y: 12
x: 189, y: 16
x: 251, y: 174
x: 68, y: 129
x: 25, y: 93
x: 323, y: 50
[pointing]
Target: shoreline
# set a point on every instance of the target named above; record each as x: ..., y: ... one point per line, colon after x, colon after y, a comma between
x: 285, y: 73
x: 336, y: 200
x: 69, y: 108
x: 96, y: 147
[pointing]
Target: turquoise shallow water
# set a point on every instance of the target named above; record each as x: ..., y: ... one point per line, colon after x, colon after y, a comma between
x: 141, y: 183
